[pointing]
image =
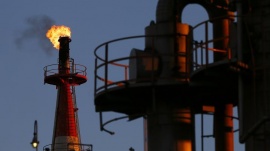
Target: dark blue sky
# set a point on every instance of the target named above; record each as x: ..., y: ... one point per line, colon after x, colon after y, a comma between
x: 24, y: 97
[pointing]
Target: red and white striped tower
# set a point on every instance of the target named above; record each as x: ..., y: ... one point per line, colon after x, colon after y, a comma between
x: 66, y: 130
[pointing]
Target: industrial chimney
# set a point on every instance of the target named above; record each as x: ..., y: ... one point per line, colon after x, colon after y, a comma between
x: 65, y: 76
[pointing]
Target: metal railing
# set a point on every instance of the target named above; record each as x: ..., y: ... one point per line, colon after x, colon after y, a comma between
x: 204, y: 50
x: 103, y: 63
x: 201, y: 56
x: 69, y: 147
x: 73, y: 69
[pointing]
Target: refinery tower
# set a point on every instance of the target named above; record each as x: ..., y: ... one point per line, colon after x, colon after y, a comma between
x: 176, y: 76
x: 65, y: 75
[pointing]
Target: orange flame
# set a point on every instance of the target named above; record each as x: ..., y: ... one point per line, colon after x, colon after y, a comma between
x: 58, y: 31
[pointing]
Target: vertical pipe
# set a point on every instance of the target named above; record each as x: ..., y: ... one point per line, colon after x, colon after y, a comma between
x: 186, y: 139
x: 196, y: 57
x: 171, y: 129
x: 223, y: 124
x: 240, y: 58
x: 221, y: 30
x: 223, y: 127
x: 64, y: 55
x: 201, y: 43
x: 188, y: 67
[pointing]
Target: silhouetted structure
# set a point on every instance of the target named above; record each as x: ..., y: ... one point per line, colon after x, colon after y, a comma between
x: 174, y: 77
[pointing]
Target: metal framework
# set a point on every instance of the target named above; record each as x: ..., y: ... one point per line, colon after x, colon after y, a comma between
x: 201, y: 58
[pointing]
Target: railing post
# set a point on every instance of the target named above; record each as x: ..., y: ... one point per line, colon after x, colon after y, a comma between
x: 106, y: 67
x: 201, y: 44
x: 196, y: 55
x: 95, y: 77
x: 206, y: 44
x: 188, y: 58
x: 101, y: 121
x: 126, y: 76
x: 152, y: 61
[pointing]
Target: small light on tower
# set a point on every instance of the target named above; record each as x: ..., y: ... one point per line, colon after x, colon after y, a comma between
x: 35, y: 141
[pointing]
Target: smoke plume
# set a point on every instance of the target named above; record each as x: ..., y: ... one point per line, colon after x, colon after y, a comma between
x: 37, y: 28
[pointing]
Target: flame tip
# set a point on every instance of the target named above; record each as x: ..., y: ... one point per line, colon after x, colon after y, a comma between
x: 56, y: 32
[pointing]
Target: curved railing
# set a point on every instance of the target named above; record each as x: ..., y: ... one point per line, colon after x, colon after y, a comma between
x: 104, y: 62
x: 111, y: 72
x: 201, y: 56
x: 74, y: 68
x: 204, y: 50
x: 69, y: 147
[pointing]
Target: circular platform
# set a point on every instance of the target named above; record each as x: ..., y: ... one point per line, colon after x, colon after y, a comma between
x: 211, y: 85
x: 75, y: 75
x: 73, y: 79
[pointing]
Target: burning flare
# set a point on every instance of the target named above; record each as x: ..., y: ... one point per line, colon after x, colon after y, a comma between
x: 58, y: 31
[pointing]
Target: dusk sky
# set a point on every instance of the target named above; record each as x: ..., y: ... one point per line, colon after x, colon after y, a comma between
x: 25, y: 51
